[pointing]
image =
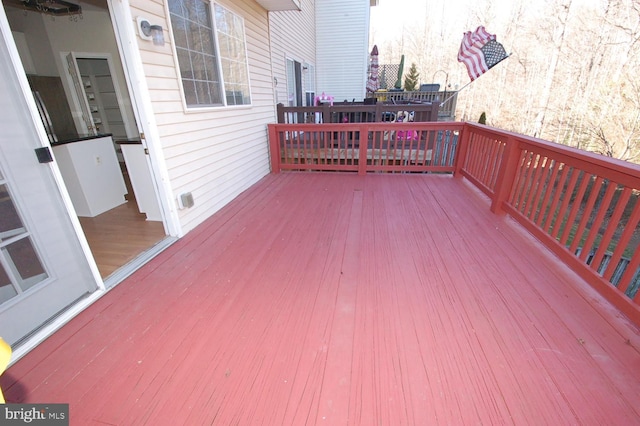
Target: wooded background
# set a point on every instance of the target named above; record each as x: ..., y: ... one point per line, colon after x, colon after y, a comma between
x: 572, y: 77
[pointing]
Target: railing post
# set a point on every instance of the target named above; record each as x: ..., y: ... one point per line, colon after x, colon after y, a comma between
x: 280, y: 112
x: 506, y: 175
x: 274, y: 148
x: 378, y: 116
x: 362, y: 149
x: 463, y: 148
x: 435, y: 106
x: 326, y: 113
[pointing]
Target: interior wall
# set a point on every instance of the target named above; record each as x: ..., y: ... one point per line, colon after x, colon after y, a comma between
x: 39, y: 48
x: 90, y: 32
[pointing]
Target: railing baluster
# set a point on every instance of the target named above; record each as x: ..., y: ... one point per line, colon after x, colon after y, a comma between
x: 625, y: 238
x: 524, y: 181
x: 540, y: 185
x: 557, y: 225
x: 517, y: 183
x: 629, y: 274
x: 544, y: 207
x: 615, y: 218
x: 597, y: 223
x: 574, y: 210
x: 586, y: 214
x: 362, y: 150
x: 553, y: 209
x: 536, y: 160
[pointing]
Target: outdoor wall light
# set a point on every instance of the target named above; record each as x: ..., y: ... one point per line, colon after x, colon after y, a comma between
x: 150, y: 32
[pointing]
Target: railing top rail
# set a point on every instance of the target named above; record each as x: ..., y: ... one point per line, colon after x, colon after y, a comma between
x: 369, y: 126
x: 361, y: 107
x: 593, y: 161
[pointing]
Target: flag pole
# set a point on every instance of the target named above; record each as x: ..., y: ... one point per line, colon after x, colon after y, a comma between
x: 465, y: 86
x: 455, y: 93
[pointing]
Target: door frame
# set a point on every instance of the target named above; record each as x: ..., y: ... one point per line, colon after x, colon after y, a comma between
x: 296, y: 85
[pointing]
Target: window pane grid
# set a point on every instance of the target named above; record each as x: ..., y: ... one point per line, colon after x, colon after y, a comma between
x: 230, y: 35
x: 7, y: 290
x: 20, y: 265
x: 193, y: 38
x: 209, y: 79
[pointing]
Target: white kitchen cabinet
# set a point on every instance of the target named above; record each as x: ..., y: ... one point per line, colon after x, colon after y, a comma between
x: 92, y: 175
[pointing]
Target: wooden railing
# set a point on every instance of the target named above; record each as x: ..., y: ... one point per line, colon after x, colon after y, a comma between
x: 354, y: 112
x: 385, y: 147
x: 582, y: 206
x: 447, y: 100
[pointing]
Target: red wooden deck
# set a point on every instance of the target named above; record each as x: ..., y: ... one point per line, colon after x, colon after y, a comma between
x: 342, y: 299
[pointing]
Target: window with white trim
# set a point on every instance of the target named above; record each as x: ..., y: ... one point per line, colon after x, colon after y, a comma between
x: 211, y: 53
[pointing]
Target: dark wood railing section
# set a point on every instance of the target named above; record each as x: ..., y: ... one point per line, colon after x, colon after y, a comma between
x: 582, y: 206
x: 358, y: 112
x: 446, y: 100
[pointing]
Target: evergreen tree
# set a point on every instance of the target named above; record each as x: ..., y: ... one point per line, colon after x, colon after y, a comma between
x: 483, y: 118
x: 411, y: 81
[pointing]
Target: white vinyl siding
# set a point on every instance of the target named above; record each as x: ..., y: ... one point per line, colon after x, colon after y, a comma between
x: 214, y: 153
x: 342, y: 38
x: 292, y: 36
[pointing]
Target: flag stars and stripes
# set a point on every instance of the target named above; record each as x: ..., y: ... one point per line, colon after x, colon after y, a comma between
x: 479, y: 51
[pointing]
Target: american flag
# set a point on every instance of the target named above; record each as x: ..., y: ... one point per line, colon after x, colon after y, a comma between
x: 480, y: 51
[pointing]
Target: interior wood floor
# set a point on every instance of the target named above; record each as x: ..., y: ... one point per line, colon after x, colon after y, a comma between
x: 337, y: 299
x: 119, y: 235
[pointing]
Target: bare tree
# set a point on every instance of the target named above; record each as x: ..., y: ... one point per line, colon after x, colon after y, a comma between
x: 571, y: 78
x: 557, y: 41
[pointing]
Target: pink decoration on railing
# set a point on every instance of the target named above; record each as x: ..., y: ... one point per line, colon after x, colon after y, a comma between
x: 323, y: 98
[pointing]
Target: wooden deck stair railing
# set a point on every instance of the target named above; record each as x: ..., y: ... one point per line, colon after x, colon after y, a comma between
x: 584, y: 207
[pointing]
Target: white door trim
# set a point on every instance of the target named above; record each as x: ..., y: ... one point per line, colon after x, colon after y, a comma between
x: 126, y: 40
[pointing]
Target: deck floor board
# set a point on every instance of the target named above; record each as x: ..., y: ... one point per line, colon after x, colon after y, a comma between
x: 328, y: 298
